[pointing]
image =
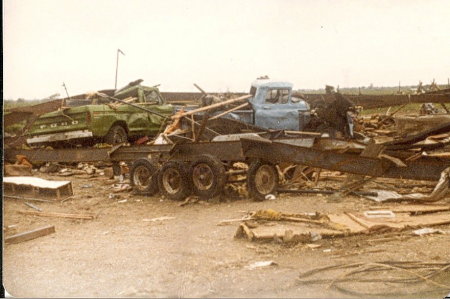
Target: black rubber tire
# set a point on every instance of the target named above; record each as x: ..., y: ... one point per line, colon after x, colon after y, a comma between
x: 177, y: 187
x: 116, y: 134
x: 208, y: 176
x: 144, y: 177
x: 265, y: 172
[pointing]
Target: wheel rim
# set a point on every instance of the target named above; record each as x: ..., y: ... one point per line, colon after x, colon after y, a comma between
x: 142, y: 177
x: 265, y: 179
x: 118, y: 137
x: 172, y: 180
x: 202, y: 176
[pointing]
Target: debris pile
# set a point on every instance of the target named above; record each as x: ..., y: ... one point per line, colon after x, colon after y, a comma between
x: 375, y: 125
x: 270, y: 225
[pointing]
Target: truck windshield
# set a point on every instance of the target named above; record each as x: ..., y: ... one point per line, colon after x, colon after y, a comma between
x: 152, y: 97
x: 277, y: 96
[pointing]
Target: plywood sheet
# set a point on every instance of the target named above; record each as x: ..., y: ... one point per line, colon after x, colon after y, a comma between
x: 35, y: 182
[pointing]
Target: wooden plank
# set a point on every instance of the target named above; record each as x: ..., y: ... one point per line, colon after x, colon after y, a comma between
x: 26, y: 198
x: 403, y: 221
x: 212, y: 106
x: 33, y: 206
x: 30, y: 235
x: 303, y: 133
x: 413, y: 208
x: 247, y: 231
x: 229, y: 111
x: 396, y: 161
x: 60, y: 215
x: 357, y: 220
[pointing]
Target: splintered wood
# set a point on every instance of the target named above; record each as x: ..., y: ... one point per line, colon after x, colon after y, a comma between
x: 298, y: 228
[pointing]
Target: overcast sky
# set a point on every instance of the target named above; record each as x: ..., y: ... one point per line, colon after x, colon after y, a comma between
x: 221, y: 45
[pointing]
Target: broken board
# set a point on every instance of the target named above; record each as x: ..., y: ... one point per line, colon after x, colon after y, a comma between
x: 30, y: 235
x: 37, y: 187
x: 340, y: 225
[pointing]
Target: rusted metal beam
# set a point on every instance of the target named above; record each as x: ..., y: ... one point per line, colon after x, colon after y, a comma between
x: 59, y: 155
x: 88, y: 154
x: 425, y: 168
x: 226, y: 151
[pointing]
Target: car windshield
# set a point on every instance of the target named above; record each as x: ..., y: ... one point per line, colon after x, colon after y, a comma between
x: 277, y: 96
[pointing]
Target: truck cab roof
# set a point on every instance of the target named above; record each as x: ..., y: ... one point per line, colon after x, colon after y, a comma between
x: 267, y: 83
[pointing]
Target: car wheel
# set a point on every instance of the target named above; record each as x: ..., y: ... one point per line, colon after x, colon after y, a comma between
x: 262, y: 179
x: 208, y: 176
x: 144, y: 177
x: 116, y: 135
x: 173, y: 180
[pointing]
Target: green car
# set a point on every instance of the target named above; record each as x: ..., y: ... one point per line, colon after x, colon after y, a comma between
x: 98, y: 119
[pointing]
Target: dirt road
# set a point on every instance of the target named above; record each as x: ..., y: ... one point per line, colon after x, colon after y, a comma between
x: 122, y: 254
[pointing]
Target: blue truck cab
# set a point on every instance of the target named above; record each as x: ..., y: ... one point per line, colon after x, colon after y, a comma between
x: 274, y: 107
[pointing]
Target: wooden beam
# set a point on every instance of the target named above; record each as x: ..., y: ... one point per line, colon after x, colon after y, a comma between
x: 228, y: 111
x: 243, y: 98
x: 303, y: 133
x: 354, y: 218
x: 30, y: 235
x: 33, y: 206
x: 396, y: 161
x: 202, y: 127
x: 60, y: 215
x: 26, y: 198
x: 197, y: 124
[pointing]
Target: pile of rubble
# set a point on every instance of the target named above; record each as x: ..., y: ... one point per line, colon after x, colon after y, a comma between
x: 375, y: 125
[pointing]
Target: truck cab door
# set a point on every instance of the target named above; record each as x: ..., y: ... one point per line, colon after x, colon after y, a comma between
x: 137, y: 119
x: 153, y: 101
x: 277, y: 111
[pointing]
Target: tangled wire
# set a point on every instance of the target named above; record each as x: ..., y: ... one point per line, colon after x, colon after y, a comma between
x: 391, y: 274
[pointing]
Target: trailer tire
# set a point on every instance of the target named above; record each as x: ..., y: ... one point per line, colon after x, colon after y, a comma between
x: 116, y: 134
x: 262, y: 179
x: 144, y: 177
x: 208, y: 176
x: 173, y: 180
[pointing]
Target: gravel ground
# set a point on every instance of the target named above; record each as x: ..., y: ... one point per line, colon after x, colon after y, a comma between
x: 119, y: 254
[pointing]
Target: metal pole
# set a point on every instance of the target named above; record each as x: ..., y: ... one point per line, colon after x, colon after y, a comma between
x: 68, y: 97
x: 133, y: 105
x: 117, y: 66
x: 64, y: 85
